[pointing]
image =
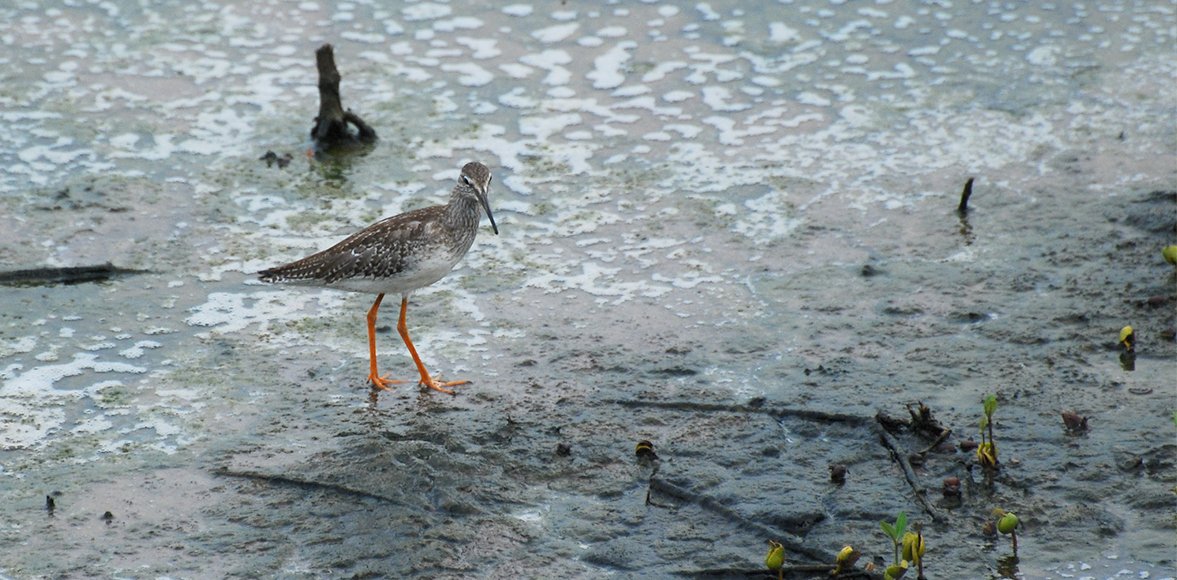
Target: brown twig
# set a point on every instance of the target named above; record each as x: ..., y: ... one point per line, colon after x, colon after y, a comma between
x: 963, y: 208
x: 285, y: 480
x: 793, y: 544
x: 810, y: 414
x: 922, y: 422
x: 940, y: 439
x: 921, y: 494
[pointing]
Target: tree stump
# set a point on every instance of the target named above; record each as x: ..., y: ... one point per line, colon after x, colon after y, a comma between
x: 330, y: 128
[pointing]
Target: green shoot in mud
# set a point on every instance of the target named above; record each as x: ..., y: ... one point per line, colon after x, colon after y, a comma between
x: 987, y: 450
x: 1170, y: 254
x: 845, y: 560
x: 1008, y: 525
x: 895, y: 532
x: 775, y: 560
x: 1128, y: 339
x: 914, y: 548
x: 895, y: 571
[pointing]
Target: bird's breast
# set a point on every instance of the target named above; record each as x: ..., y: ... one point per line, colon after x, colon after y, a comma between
x: 420, y: 273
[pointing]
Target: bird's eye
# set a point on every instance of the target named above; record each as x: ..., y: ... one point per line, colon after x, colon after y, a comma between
x: 464, y: 179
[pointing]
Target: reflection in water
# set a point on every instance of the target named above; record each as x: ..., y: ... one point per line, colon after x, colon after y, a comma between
x: 966, y: 230
x: 1007, y: 567
x: 1128, y: 361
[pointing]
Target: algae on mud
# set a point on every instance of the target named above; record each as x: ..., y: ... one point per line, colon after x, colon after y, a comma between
x: 700, y: 205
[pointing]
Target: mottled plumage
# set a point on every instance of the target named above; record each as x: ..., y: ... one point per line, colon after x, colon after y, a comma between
x: 398, y: 255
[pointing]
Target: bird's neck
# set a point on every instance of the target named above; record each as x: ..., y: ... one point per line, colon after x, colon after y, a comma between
x: 462, y: 209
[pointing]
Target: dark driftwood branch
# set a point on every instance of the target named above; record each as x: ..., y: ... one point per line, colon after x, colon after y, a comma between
x: 69, y: 275
x: 963, y: 208
x: 693, y: 406
x: 913, y: 480
x: 922, y: 423
x: 792, y: 544
x: 331, y: 124
x: 284, y: 480
x: 880, y: 424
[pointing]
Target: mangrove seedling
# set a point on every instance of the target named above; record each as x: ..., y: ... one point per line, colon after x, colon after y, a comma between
x: 845, y: 560
x: 1007, y: 524
x: 895, y: 571
x: 914, y: 548
x: 895, y: 531
x: 987, y: 450
x: 645, y: 451
x: 990, y: 408
x: 1128, y: 339
x: 1170, y: 254
x: 775, y: 560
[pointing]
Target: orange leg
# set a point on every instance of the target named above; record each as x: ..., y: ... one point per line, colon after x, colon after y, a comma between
x: 374, y: 376
x: 403, y: 329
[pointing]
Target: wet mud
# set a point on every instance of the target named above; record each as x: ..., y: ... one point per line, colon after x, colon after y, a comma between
x: 754, y: 299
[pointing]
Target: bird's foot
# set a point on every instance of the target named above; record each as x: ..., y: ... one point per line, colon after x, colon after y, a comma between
x: 438, y: 385
x: 383, y: 381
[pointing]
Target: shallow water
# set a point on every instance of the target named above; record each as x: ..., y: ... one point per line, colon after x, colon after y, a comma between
x: 713, y: 219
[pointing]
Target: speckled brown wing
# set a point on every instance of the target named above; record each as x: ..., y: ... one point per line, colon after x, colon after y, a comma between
x: 382, y: 250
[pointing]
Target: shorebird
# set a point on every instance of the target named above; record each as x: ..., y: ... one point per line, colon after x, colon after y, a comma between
x: 398, y: 255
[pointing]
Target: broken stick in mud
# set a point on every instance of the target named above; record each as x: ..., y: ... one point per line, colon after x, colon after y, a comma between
x: 66, y: 275
x: 913, y: 480
x: 330, y: 128
x: 963, y: 208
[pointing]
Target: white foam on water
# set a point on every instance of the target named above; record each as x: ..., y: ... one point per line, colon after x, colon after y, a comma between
x: 227, y: 312
x: 519, y: 10
x: 472, y: 75
x: 607, y: 69
x: 555, y: 33
x: 33, y: 407
x: 597, y: 122
x: 425, y: 11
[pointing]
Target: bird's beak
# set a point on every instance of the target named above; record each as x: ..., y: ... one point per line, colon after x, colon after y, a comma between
x: 481, y: 193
